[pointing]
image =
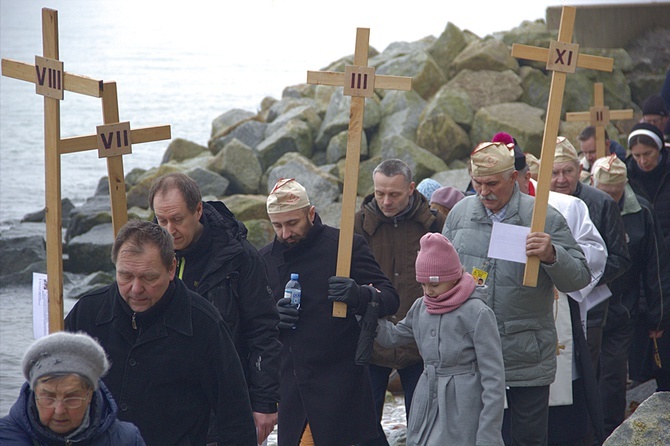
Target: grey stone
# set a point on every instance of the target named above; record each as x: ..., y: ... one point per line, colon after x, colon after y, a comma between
x: 306, y: 113
x: 337, y: 117
x: 240, y: 165
x: 90, y: 283
x: 450, y: 43
x: 95, y: 211
x: 247, y: 207
x: 210, y: 183
x: 648, y: 425
x: 337, y: 147
x: 423, y: 163
x: 458, y: 178
x: 401, y: 111
x: 427, y: 77
x: 181, y: 149
x: 294, y: 136
x: 228, y: 121
x: 486, y: 87
x: 259, y: 232
x: 91, y: 251
x: 488, y: 54
x: 39, y: 216
x: 251, y: 133
x: 22, y: 252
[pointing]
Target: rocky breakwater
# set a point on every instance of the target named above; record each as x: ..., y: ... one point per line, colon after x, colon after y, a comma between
x: 465, y: 89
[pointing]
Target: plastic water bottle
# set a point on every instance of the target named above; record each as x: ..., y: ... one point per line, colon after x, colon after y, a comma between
x: 293, y: 291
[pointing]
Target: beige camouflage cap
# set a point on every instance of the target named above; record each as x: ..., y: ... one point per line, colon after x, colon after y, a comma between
x: 287, y: 195
x: 490, y: 158
x: 565, y: 151
x: 533, y: 163
x: 609, y: 170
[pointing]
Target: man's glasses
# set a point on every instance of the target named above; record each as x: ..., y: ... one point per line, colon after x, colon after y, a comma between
x: 73, y: 402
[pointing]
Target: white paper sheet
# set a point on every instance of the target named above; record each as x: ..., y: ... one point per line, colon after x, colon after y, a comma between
x: 508, y: 242
x: 40, y: 306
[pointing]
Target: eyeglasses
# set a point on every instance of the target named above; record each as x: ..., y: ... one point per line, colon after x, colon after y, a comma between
x: 653, y: 121
x: 73, y: 402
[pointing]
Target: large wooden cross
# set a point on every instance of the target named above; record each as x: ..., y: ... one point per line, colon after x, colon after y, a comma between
x: 599, y: 116
x: 359, y: 81
x: 562, y: 58
x: 51, y: 81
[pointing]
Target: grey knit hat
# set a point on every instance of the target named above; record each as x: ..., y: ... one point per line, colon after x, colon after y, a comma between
x: 64, y: 353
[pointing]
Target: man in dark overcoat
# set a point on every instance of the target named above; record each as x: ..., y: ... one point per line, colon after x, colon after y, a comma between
x: 324, y: 395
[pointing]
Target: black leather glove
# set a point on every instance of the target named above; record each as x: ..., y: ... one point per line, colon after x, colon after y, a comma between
x: 288, y: 315
x: 344, y: 289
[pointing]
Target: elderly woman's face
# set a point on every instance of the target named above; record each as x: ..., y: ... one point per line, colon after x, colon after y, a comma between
x: 647, y: 157
x: 57, y: 400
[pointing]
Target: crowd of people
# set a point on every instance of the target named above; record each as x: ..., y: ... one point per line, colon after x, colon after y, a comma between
x: 195, y: 342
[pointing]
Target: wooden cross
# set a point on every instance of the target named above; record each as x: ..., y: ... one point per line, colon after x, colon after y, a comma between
x: 599, y: 116
x: 359, y: 82
x: 562, y: 58
x: 51, y: 81
x: 113, y: 140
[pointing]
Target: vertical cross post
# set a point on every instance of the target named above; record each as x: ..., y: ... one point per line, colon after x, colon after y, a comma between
x: 359, y: 81
x: 562, y: 57
x: 599, y: 116
x: 51, y: 81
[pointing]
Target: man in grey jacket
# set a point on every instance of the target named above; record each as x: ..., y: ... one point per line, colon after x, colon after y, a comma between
x: 524, y: 314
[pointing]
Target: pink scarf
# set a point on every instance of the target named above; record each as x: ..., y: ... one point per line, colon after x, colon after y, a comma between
x: 452, y: 299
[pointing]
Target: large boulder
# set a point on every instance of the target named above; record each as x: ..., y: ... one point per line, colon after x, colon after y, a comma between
x: 95, y: 211
x: 486, y: 87
x: 22, y: 252
x: 294, y: 136
x: 458, y: 178
x: 247, y: 207
x: 259, y: 232
x: 40, y: 216
x: 648, y: 425
x: 250, y: 133
x: 228, y: 121
x: 520, y: 120
x: 322, y: 188
x: 427, y: 77
x: 91, y: 251
x: 240, y: 165
x: 138, y: 195
x: 90, y: 283
x: 400, y: 114
x: 337, y: 147
x: 421, y: 161
x: 182, y: 149
x: 337, y: 117
x: 306, y: 113
x: 488, y: 54
x: 445, y: 49
x: 210, y: 183
x: 440, y: 135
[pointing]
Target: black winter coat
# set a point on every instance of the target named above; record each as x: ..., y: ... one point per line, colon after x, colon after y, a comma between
x: 319, y: 380
x: 229, y: 272
x: 173, y: 369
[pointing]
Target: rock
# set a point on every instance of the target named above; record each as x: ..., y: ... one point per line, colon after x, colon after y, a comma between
x: 648, y: 425
x: 210, y: 183
x: 132, y: 177
x: 294, y: 136
x: 427, y: 77
x: 239, y: 164
x: 181, y: 149
x: 337, y: 147
x: 458, y: 178
x: 421, y: 161
x: 400, y: 115
x: 250, y: 133
x: 321, y: 187
x: 90, y: 252
x: 337, y: 117
x: 306, y: 113
x: 438, y: 132
x: 90, y: 283
x: 488, y: 54
x: 260, y: 232
x: 247, y: 207
x: 138, y: 195
x: 39, y: 216
x: 486, y: 87
x: 445, y: 49
x: 22, y: 252
x: 228, y: 121
x: 535, y: 84
x: 533, y: 33
x: 95, y: 211
x: 520, y: 120
x: 286, y: 104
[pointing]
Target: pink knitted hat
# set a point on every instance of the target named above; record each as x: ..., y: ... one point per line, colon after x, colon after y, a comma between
x: 437, y: 260
x: 447, y: 196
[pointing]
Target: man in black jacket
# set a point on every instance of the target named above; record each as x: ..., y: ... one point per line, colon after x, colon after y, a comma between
x: 325, y: 395
x: 173, y: 361
x: 647, y: 279
x: 215, y: 260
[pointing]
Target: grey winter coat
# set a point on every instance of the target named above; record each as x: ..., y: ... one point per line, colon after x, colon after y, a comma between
x: 524, y: 314
x: 459, y: 397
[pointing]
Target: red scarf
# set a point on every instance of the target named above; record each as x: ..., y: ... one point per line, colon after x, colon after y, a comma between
x: 452, y: 299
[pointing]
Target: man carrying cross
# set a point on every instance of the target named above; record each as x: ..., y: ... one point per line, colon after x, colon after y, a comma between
x: 324, y: 396
x: 524, y: 314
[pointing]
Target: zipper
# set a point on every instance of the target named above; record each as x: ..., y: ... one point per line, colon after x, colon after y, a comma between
x: 133, y: 322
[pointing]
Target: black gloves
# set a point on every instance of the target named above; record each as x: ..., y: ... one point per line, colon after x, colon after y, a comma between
x: 344, y: 289
x: 288, y: 315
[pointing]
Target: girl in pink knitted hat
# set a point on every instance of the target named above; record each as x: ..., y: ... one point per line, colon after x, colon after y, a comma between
x: 460, y: 396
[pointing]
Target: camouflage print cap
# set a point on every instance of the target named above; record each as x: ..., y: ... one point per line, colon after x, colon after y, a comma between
x: 490, y: 158
x: 609, y: 170
x: 287, y: 195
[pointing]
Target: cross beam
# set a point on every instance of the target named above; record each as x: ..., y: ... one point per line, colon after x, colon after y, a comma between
x: 562, y: 57
x: 359, y: 81
x: 599, y: 116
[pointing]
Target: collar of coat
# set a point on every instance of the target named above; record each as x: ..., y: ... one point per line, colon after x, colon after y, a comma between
x: 419, y: 212
x: 631, y: 205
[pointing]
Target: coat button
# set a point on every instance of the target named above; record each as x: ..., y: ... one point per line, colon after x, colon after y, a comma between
x: 123, y: 407
x: 432, y: 333
x: 132, y: 362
